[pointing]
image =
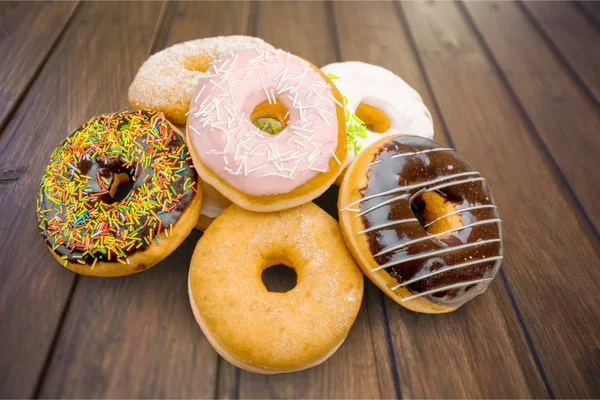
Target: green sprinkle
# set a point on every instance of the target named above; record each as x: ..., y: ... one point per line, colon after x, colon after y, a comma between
x: 355, y: 128
x: 71, y: 207
x: 269, y: 125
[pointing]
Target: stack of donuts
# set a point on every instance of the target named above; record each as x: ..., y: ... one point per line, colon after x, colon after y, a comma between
x: 237, y: 138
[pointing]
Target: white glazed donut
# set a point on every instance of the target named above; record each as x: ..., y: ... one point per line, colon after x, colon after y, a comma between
x: 213, y: 204
x: 382, y: 90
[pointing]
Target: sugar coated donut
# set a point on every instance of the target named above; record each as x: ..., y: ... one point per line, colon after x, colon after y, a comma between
x: 167, y: 79
x: 381, y: 100
x: 87, y: 228
x: 421, y: 223
x: 254, y: 169
x: 269, y: 332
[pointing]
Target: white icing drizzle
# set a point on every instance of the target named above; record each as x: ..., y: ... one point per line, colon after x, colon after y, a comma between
x: 445, y: 185
x: 413, y: 153
x: 400, y: 221
x: 383, y: 203
x: 415, y: 186
x: 429, y: 237
x: 453, y: 286
x: 458, y: 212
x: 421, y: 152
x: 435, y: 253
x: 449, y: 268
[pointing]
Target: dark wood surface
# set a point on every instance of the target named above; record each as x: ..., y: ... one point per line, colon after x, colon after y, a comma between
x: 514, y: 87
x: 421, y: 342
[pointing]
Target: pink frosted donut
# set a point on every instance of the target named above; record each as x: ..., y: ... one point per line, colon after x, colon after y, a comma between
x: 166, y: 81
x: 254, y: 169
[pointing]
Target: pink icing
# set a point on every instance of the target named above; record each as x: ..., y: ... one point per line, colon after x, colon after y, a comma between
x: 249, y: 159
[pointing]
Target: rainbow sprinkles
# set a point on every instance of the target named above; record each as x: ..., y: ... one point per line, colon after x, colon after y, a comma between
x: 78, y: 216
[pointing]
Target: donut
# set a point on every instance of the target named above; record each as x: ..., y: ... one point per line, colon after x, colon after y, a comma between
x: 94, y: 228
x: 213, y: 204
x: 269, y: 332
x: 421, y: 223
x: 378, y: 102
x: 166, y: 80
x: 252, y: 168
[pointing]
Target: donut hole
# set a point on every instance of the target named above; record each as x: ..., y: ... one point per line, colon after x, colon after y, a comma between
x: 196, y: 63
x: 374, y: 118
x: 279, y: 278
x: 432, y: 209
x: 120, y: 187
x: 271, y: 118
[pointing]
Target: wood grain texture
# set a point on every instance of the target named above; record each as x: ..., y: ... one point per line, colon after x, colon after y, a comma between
x: 25, y: 46
x: 35, y: 289
x: 486, y: 331
x: 562, y: 114
x: 283, y: 24
x: 575, y: 40
x: 189, y: 21
x: 552, y: 265
x: 535, y: 333
x: 592, y: 10
x: 360, y: 368
x: 136, y: 336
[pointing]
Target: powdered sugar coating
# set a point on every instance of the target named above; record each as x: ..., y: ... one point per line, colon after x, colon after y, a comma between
x: 247, y: 158
x: 164, y: 81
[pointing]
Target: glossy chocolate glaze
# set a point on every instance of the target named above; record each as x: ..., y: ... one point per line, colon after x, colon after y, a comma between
x: 137, y: 175
x: 387, y: 173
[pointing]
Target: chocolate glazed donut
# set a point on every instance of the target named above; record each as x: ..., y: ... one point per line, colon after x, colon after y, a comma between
x: 91, y: 228
x: 421, y: 223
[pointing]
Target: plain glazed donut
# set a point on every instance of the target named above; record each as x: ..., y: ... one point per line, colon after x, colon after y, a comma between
x: 166, y: 80
x: 421, y: 223
x: 268, y: 332
x: 383, y: 101
x: 253, y: 169
x: 90, y: 232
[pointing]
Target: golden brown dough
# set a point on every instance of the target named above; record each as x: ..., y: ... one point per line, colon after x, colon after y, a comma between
x: 267, y: 332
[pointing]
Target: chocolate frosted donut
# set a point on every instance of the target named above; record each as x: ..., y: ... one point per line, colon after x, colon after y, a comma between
x: 421, y: 223
x: 85, y: 224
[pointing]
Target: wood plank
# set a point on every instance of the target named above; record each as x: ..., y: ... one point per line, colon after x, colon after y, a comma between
x: 463, y: 339
x: 307, y: 32
x: 561, y: 113
x: 28, y: 32
x: 186, y: 22
x: 35, y: 289
x: 551, y: 263
x: 360, y: 368
x: 574, y: 39
x: 136, y: 336
x: 591, y: 8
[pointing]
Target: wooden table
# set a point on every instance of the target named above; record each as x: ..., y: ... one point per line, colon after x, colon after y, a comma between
x: 515, y: 87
